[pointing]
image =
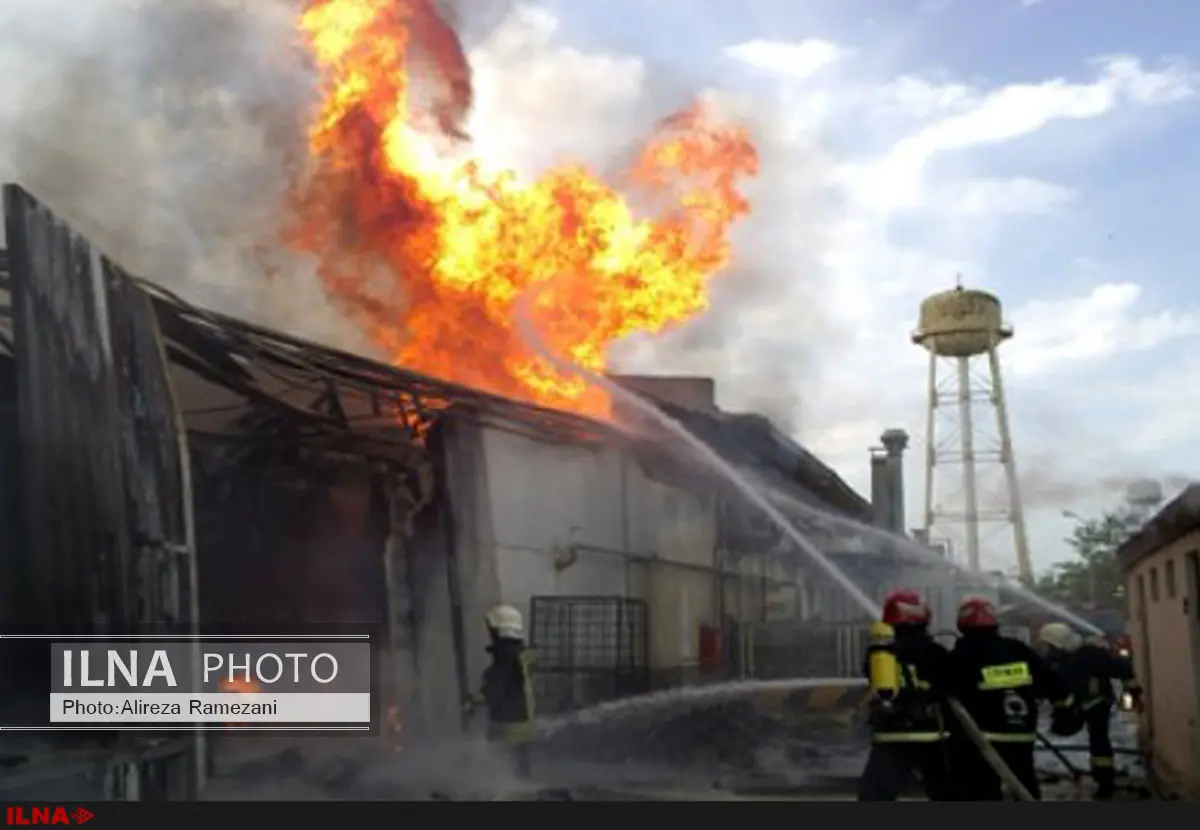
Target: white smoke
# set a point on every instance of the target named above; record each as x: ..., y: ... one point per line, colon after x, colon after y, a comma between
x: 166, y: 130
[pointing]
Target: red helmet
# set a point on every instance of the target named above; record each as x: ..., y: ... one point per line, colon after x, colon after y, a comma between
x: 905, y: 606
x: 976, y: 612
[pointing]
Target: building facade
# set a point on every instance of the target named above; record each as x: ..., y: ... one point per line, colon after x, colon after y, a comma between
x: 1161, y: 568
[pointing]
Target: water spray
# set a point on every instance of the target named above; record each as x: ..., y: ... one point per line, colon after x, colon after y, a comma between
x: 923, y: 553
x: 734, y: 476
x: 755, y: 496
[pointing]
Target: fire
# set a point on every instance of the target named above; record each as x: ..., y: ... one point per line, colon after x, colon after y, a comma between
x: 244, y: 687
x: 432, y: 253
x: 239, y: 686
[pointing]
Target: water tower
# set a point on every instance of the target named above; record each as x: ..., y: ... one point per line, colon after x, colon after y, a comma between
x: 962, y: 330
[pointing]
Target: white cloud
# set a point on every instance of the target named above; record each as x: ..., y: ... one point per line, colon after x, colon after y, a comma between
x: 921, y: 98
x: 983, y: 118
x: 989, y: 197
x: 1057, y: 333
x: 796, y: 61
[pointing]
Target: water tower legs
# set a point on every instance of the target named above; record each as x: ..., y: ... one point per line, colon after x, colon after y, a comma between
x: 963, y: 449
x: 966, y: 432
x: 1009, y: 460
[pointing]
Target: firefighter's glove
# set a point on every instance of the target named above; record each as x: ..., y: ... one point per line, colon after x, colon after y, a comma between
x: 471, y: 704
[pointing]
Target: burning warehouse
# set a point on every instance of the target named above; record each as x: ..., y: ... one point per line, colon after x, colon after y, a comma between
x: 169, y: 464
x: 165, y: 463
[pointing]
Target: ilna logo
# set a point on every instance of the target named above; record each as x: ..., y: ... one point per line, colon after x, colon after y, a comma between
x: 46, y: 815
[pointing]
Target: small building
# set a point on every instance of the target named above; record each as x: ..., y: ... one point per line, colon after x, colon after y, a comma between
x: 1161, y: 568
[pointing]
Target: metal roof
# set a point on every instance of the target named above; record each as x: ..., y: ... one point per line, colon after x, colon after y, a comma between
x: 1178, y: 518
x: 223, y: 350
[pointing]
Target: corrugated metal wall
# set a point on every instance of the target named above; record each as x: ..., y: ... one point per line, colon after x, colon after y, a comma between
x: 106, y: 544
x: 103, y: 495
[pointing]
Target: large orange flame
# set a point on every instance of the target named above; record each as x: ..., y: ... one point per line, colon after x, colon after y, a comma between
x: 431, y: 254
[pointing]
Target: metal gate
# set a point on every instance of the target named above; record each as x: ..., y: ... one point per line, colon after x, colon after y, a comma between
x: 589, y: 650
x: 106, y: 539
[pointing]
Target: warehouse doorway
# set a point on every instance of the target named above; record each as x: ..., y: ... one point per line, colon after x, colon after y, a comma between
x: 589, y: 650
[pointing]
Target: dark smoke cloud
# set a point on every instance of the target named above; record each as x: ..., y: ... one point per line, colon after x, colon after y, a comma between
x: 1048, y: 484
x: 1042, y: 487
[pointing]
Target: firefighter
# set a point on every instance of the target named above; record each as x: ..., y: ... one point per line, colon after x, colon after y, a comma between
x: 1089, y: 670
x: 507, y: 688
x: 907, y: 670
x: 1000, y: 680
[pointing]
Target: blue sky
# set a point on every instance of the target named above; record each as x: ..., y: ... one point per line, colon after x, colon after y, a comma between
x: 1046, y: 150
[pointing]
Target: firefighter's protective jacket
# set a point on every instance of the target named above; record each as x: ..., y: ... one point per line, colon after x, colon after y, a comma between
x: 916, y: 715
x: 1089, y: 672
x: 508, y: 691
x: 1000, y: 680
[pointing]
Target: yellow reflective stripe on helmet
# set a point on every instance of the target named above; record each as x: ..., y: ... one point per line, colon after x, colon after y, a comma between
x: 909, y: 737
x: 1006, y: 676
x: 1010, y: 737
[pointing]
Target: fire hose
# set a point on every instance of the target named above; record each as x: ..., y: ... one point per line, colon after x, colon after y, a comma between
x: 1058, y: 752
x: 979, y: 740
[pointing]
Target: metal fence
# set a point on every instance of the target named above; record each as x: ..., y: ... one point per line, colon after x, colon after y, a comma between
x: 105, y: 541
x: 589, y: 650
x: 793, y: 648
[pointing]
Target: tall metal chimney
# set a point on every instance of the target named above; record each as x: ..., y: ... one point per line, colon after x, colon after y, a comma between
x: 895, y: 441
x: 881, y: 498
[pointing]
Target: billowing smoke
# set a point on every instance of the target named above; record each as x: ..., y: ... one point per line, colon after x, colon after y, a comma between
x: 167, y: 130
x: 1045, y: 485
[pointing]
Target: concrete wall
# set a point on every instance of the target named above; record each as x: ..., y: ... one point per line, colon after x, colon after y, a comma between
x: 1164, y: 608
x: 521, y: 504
x: 680, y: 529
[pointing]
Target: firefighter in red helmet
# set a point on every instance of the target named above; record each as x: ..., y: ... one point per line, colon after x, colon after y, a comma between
x: 908, y: 671
x: 1000, y: 681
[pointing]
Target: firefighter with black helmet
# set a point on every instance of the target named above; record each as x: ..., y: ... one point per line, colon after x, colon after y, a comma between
x: 907, y: 670
x: 507, y: 688
x: 1000, y: 681
x: 1089, y: 670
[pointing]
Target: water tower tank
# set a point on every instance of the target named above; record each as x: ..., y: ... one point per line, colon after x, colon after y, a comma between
x: 961, y: 322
